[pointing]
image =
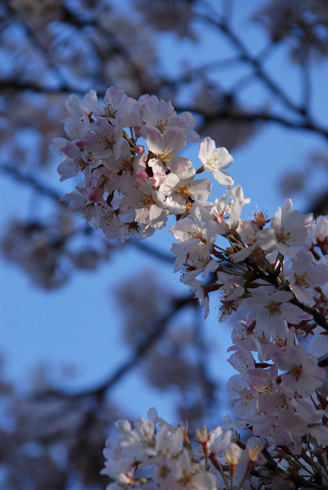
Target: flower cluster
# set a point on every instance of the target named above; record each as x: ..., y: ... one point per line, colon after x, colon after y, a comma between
x: 129, y: 188
x: 276, y: 267
x: 275, y: 394
x: 153, y: 454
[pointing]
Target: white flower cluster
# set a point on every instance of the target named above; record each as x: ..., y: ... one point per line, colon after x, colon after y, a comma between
x: 129, y: 189
x: 276, y: 267
x: 274, y: 395
x: 155, y: 455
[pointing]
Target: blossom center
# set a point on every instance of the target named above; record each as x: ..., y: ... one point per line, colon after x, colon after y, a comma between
x: 274, y: 309
x: 183, y: 190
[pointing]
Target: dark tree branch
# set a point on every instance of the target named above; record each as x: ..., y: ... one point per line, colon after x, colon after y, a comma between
x: 253, y: 117
x: 219, y: 115
x: 45, y: 190
x: 31, y: 181
x: 319, y: 205
x: 253, y: 62
x: 197, y: 73
x: 151, y: 251
x: 19, y: 86
x: 159, y: 328
x: 32, y: 35
x: 306, y: 84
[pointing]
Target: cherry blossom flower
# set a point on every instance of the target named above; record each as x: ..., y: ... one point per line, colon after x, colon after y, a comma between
x: 288, y: 229
x: 307, y: 275
x: 238, y: 200
x: 232, y: 454
x: 180, y: 189
x: 161, y: 115
x: 274, y: 309
x: 103, y: 139
x: 280, y: 272
x: 318, y: 344
x: 254, y: 447
x: 76, y: 107
x: 73, y: 163
x: 114, y: 104
x: 303, y: 375
x: 165, y: 146
x: 80, y: 202
x: 247, y: 231
x: 215, y: 160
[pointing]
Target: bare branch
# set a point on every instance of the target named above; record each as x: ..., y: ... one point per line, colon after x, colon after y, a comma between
x: 31, y: 181
x: 253, y: 62
x: 306, y: 82
x: 160, y: 326
x: 253, y: 117
x: 246, y: 116
x: 32, y: 35
x: 47, y: 191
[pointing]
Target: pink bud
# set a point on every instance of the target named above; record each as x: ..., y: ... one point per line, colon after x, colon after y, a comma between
x: 142, y: 176
x: 96, y: 194
x: 79, y: 144
x: 140, y: 149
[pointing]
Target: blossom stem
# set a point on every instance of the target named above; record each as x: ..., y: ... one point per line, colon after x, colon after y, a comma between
x: 247, y: 472
x: 128, y: 139
x: 217, y: 465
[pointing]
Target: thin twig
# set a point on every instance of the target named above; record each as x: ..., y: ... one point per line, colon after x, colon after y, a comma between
x: 252, y: 61
x: 31, y: 181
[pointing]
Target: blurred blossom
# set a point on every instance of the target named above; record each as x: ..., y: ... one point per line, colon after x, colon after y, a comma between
x: 302, y: 22
x: 173, y: 15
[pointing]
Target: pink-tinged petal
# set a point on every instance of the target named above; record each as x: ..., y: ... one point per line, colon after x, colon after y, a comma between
x: 207, y: 147
x: 95, y: 195
x: 154, y: 141
x: 305, y: 296
x: 201, y: 189
x: 319, y: 432
x: 90, y: 103
x: 73, y: 128
x: 276, y: 221
x: 222, y: 178
x: 58, y: 144
x: 302, y: 262
x: 242, y: 254
x: 171, y: 181
x: 176, y: 205
x: 114, y: 101
x: 69, y: 168
x: 266, y: 239
x: 73, y: 105
x: 287, y: 207
x: 220, y: 159
x: 286, y: 250
x: 187, y: 175
x: 185, y: 230
x: 318, y: 345
x: 179, y: 165
x: 72, y: 150
x: 165, y: 145
x: 174, y: 140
